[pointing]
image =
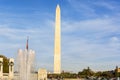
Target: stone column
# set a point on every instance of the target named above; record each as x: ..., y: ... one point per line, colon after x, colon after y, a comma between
x: 11, y: 68
x: 42, y: 74
x: 1, y: 68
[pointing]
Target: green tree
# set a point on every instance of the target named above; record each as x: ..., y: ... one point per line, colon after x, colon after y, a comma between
x: 86, y: 72
x: 68, y: 75
x: 107, y: 74
x: 98, y: 74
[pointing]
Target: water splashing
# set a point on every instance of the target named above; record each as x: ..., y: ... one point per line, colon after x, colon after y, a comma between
x: 25, y: 62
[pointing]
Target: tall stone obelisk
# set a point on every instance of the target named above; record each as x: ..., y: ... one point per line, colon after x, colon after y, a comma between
x: 57, y: 45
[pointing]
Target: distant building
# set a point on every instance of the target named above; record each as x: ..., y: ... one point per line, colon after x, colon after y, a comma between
x: 117, y: 69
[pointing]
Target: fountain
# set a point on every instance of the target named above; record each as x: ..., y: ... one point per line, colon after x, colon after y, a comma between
x: 25, y: 63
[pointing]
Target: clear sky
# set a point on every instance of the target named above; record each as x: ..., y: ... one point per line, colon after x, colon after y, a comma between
x: 90, y: 32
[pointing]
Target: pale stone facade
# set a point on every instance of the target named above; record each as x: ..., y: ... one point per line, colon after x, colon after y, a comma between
x: 1, y: 68
x: 11, y: 68
x: 57, y: 47
x: 42, y: 74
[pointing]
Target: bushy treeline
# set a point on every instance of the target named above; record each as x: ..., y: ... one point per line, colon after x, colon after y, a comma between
x: 63, y: 75
x: 5, y: 64
x: 86, y: 73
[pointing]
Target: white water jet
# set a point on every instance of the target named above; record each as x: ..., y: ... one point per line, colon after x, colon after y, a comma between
x: 25, y: 63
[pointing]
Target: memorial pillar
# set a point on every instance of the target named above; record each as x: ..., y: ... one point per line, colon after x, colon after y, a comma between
x: 1, y: 68
x: 11, y: 68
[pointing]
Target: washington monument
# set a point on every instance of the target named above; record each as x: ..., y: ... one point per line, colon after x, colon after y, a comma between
x: 57, y: 45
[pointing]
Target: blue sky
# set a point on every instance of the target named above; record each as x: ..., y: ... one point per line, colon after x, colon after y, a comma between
x: 90, y: 32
